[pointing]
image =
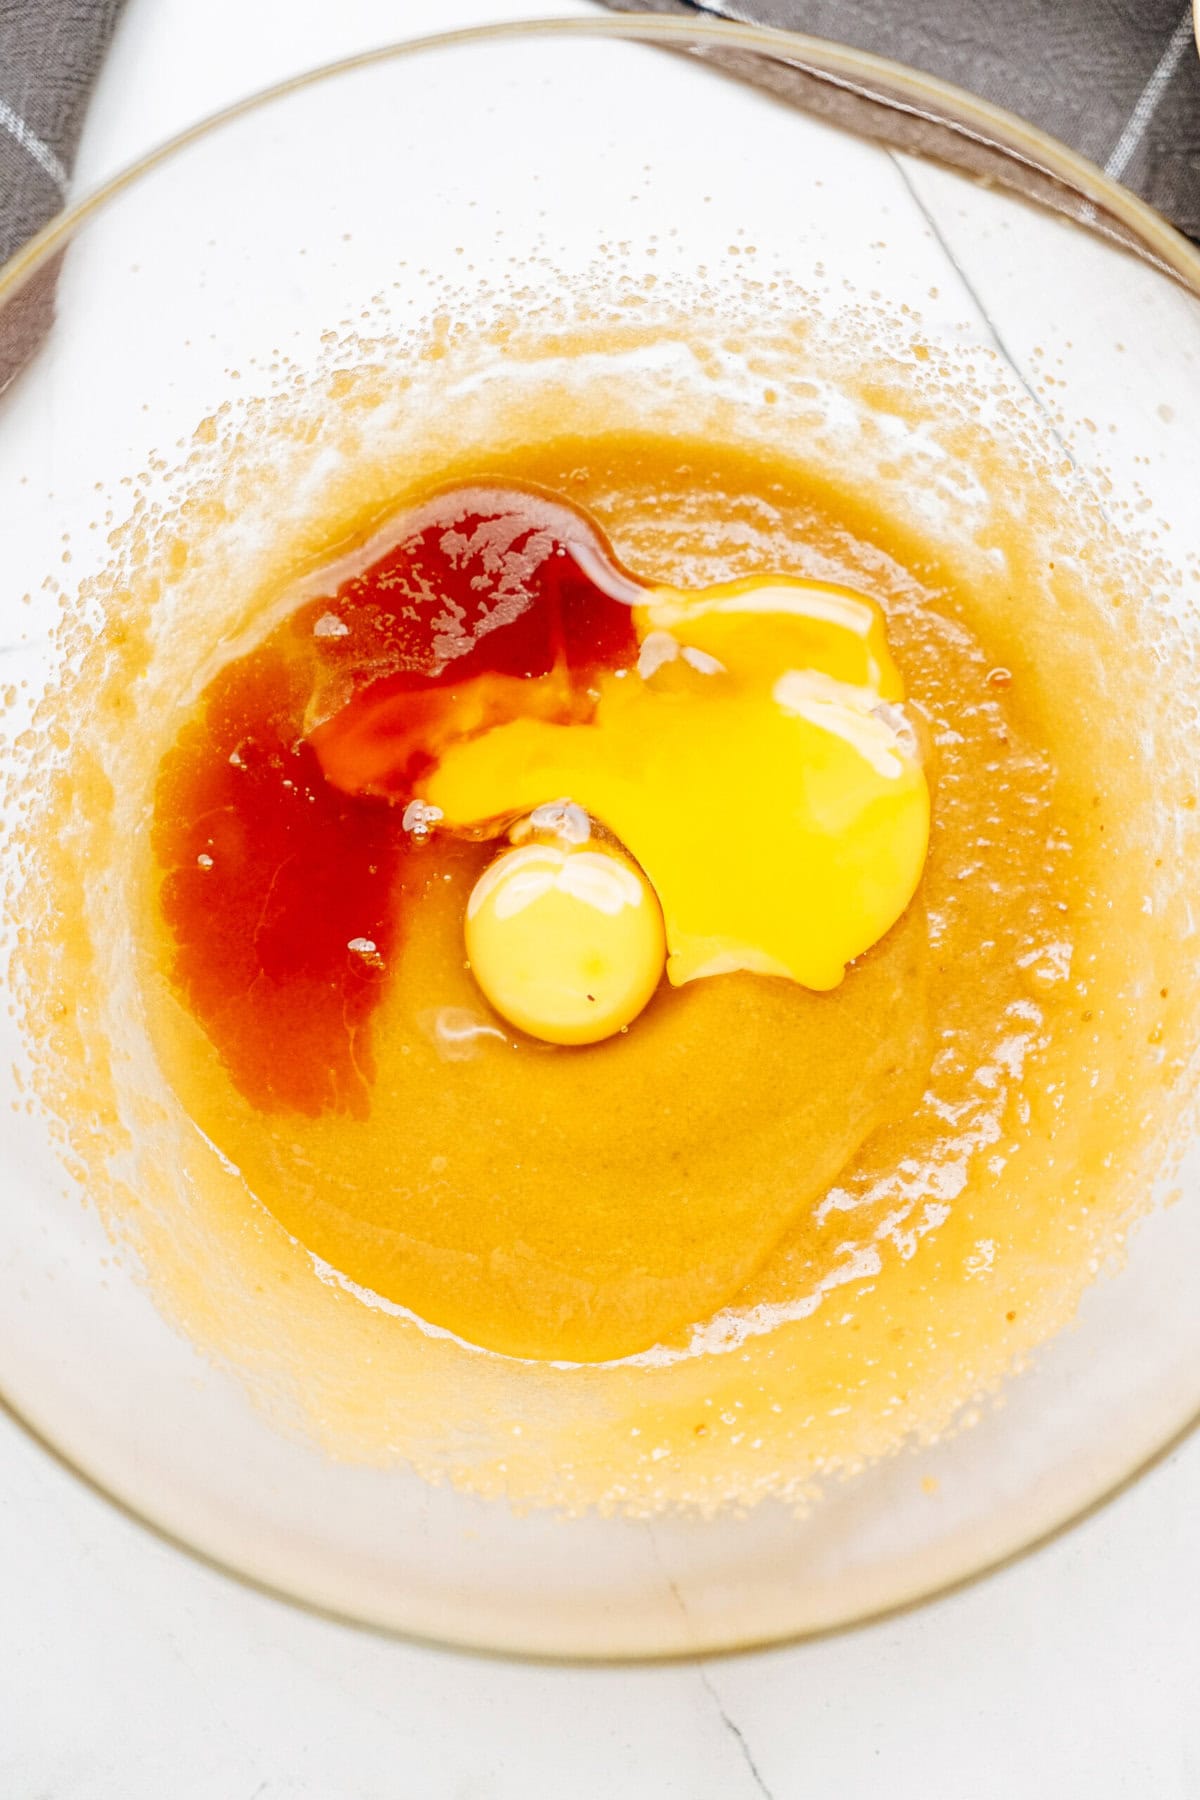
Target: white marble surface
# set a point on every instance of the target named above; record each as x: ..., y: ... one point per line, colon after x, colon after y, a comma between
x: 127, y: 1672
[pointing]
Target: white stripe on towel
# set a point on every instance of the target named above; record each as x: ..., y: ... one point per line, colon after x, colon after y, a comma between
x: 1148, y: 99
x: 33, y: 146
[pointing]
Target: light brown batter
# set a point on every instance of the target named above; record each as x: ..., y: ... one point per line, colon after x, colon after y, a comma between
x: 910, y: 1177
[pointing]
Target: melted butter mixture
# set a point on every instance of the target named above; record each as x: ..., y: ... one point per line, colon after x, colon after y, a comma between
x: 321, y: 824
x: 815, y: 1216
x: 588, y: 1205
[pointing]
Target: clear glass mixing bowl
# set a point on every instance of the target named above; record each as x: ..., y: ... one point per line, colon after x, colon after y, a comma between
x: 262, y: 228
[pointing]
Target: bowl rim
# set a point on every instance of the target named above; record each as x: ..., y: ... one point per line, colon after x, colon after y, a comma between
x: 872, y: 77
x: 859, y: 71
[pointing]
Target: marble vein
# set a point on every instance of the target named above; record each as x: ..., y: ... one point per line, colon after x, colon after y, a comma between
x: 734, y: 1730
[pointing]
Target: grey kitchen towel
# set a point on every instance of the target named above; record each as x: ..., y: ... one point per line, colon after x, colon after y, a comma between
x: 50, y: 54
x: 1117, y: 80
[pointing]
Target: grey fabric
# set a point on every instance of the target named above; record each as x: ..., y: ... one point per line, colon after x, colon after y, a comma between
x: 1118, y: 80
x: 50, y: 54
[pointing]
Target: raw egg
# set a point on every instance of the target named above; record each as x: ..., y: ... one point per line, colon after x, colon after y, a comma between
x: 566, y: 941
x: 755, y: 761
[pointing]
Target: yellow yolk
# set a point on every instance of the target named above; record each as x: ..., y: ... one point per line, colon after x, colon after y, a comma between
x: 756, y: 765
x: 767, y: 623
x: 566, y: 941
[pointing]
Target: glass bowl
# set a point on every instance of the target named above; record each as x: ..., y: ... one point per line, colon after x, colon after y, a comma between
x: 228, y: 256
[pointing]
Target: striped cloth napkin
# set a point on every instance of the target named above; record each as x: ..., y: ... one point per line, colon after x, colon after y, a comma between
x: 50, y: 55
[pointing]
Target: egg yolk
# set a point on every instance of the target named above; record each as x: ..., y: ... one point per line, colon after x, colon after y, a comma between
x: 755, y: 763
x: 566, y: 941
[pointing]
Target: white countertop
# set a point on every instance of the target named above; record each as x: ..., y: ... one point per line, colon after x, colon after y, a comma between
x: 127, y: 1671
